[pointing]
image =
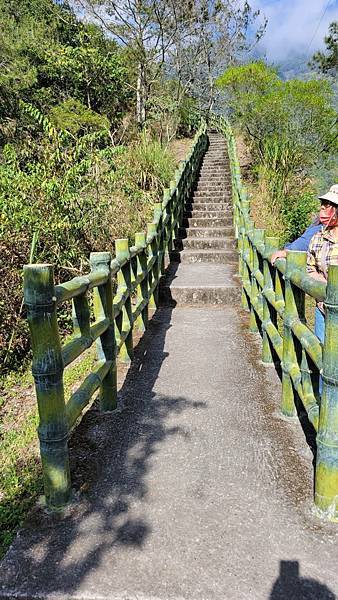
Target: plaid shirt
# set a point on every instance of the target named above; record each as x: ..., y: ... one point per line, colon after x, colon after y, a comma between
x: 323, y: 251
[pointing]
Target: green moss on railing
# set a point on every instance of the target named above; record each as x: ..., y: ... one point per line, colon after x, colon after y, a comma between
x: 271, y: 293
x: 137, y: 270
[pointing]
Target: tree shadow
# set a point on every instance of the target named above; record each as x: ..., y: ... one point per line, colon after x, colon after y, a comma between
x: 291, y: 586
x: 111, y: 454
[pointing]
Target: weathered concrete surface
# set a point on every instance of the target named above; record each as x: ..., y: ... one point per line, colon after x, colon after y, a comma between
x: 200, y: 284
x: 195, y: 488
x: 203, y: 490
x: 205, y: 256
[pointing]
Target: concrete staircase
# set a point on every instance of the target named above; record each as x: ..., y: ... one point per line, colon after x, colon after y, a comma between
x: 204, y: 262
x: 194, y: 488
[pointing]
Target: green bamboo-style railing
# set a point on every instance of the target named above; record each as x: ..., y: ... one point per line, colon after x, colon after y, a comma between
x: 136, y: 270
x: 275, y: 298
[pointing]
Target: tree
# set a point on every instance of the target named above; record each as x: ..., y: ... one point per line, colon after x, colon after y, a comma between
x: 189, y: 41
x: 327, y: 62
x: 89, y: 70
x: 300, y: 113
x: 49, y: 57
x: 146, y: 29
x: 210, y: 37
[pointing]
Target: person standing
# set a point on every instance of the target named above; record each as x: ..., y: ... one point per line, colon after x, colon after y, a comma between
x: 323, y: 249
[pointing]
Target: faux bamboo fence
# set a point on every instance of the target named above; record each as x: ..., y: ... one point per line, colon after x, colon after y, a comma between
x: 137, y: 271
x: 275, y: 297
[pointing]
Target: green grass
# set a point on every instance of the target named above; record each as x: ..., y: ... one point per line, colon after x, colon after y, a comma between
x: 20, y: 469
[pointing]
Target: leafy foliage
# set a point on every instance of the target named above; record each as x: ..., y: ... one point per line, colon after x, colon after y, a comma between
x: 297, y: 211
x: 327, y: 62
x: 78, y: 197
x: 299, y: 113
x: 287, y: 124
x: 49, y: 57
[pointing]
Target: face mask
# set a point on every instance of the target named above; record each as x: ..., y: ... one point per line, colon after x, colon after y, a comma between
x: 328, y: 217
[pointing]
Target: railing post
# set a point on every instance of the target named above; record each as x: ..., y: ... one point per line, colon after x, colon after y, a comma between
x: 141, y: 322
x: 326, y: 480
x: 179, y: 198
x: 244, y: 250
x: 47, y: 371
x: 158, y: 219
x: 173, y: 194
x: 166, y: 206
x: 81, y: 316
x: 246, y: 281
x: 106, y: 344
x: 269, y: 314
x: 294, y: 305
x: 124, y: 284
x: 153, y: 272
x: 258, y: 237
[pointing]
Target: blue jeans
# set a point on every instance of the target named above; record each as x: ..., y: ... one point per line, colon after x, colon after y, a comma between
x: 320, y: 332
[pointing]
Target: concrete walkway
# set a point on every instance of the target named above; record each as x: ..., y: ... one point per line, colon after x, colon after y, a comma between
x: 201, y: 491
x: 195, y: 488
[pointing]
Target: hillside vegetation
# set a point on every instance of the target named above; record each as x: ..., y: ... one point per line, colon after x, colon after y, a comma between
x: 88, y: 109
x: 74, y: 171
x: 291, y: 130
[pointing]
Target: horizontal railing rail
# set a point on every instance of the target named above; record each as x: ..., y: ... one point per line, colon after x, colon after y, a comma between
x: 275, y: 295
x: 134, y: 275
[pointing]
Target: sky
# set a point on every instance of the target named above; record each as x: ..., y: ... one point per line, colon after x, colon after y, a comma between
x: 295, y: 27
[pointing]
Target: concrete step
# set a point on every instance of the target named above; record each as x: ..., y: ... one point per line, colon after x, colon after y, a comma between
x: 204, y: 243
x: 200, y: 232
x: 204, y: 173
x: 224, y: 167
x: 205, y: 188
x: 219, y: 177
x: 215, y: 161
x: 207, y: 256
x: 206, y: 206
x: 216, y: 152
x: 219, y: 164
x: 221, y: 190
x: 212, y: 196
x: 201, y: 214
x: 206, y: 183
x: 214, y: 176
x: 200, y: 284
x: 211, y: 186
x: 204, y: 222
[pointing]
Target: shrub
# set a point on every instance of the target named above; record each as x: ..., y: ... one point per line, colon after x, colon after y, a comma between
x: 297, y: 212
x: 77, y: 197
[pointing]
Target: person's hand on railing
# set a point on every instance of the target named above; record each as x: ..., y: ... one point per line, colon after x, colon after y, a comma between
x: 277, y: 254
x: 318, y: 276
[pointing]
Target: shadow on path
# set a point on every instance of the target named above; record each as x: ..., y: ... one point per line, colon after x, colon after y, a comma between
x: 291, y: 586
x: 111, y: 454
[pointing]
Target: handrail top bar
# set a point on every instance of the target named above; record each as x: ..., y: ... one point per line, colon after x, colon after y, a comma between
x: 125, y: 288
x: 37, y: 265
x: 80, y: 285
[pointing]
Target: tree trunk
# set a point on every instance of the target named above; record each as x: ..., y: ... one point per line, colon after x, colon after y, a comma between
x: 141, y: 95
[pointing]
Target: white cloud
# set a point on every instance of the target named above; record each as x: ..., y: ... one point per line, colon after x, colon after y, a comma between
x: 295, y: 26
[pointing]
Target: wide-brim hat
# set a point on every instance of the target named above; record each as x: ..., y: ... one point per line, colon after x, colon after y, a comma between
x: 331, y: 195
